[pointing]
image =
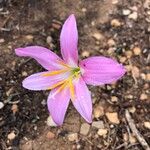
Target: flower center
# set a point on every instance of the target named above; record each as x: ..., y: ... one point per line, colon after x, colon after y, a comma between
x: 74, y: 73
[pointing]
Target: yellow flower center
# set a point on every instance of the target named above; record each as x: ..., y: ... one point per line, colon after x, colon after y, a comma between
x: 74, y: 74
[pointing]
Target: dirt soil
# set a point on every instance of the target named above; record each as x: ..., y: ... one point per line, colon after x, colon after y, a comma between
x: 119, y: 29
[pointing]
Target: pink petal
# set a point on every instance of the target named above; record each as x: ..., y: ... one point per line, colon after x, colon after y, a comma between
x: 42, y: 55
x: 101, y: 70
x: 39, y: 82
x: 57, y: 105
x: 82, y: 101
x: 69, y: 40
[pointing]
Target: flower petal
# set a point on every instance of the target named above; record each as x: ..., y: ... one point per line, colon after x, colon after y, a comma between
x: 42, y: 55
x: 57, y: 104
x: 69, y: 41
x: 101, y: 70
x: 82, y: 101
x: 39, y: 81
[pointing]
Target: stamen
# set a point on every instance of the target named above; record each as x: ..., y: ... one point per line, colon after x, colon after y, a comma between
x: 74, y: 73
x: 56, y: 85
x: 54, y: 73
x: 62, y: 86
x: 63, y: 64
x: 72, y: 90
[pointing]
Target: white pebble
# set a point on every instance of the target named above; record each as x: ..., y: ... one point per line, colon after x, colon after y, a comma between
x: 126, y: 12
x: 50, y: 122
x: 1, y: 105
x: 133, y: 16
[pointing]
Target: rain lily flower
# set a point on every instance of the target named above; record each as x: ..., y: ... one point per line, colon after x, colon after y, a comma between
x: 67, y: 78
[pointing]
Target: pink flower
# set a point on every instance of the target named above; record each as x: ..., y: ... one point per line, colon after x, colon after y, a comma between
x: 66, y: 78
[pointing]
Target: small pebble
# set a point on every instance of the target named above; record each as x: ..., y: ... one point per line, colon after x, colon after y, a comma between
x: 29, y: 38
x: 56, y: 25
x: 50, y: 122
x: 132, y: 110
x: 132, y: 139
x: 111, y: 42
x: 135, y: 72
x: 11, y: 136
x: 2, y: 40
x: 84, y: 130
x: 129, y: 96
x: 129, y: 54
x: 114, y: 2
x: 148, y: 77
x: 84, y: 9
x: 102, y: 132
x: 98, y: 124
x: 98, y: 36
x: 143, y: 76
x: 50, y: 135
x: 147, y: 124
x: 98, y: 111
x: 143, y: 96
x: 125, y: 137
x: 126, y: 12
x: 133, y: 16
x: 122, y: 59
x: 113, y: 117
x: 1, y: 105
x: 137, y: 51
x: 85, y: 54
x: 146, y: 4
x: 114, y: 99
x: 73, y: 137
x: 24, y: 73
x: 14, y: 108
x: 43, y: 102
x: 110, y: 50
x: 115, y: 23
x: 49, y: 40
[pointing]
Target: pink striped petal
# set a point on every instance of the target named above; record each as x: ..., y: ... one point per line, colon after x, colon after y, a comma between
x: 82, y: 101
x: 42, y: 55
x: 57, y: 105
x: 39, y: 82
x: 101, y: 70
x: 69, y: 41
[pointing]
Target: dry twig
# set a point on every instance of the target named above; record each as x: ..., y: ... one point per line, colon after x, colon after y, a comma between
x: 133, y: 128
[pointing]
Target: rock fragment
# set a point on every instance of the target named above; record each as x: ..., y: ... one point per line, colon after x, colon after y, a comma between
x: 98, y: 124
x: 50, y: 135
x: 136, y: 51
x: 84, y: 130
x: 133, y: 16
x: 102, y: 132
x: 11, y: 135
x: 126, y: 12
x: 1, y: 105
x: 98, y: 36
x: 73, y: 137
x: 147, y: 124
x: 98, y: 111
x: 115, y: 23
x: 113, y: 117
x: 50, y: 122
x: 143, y: 96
